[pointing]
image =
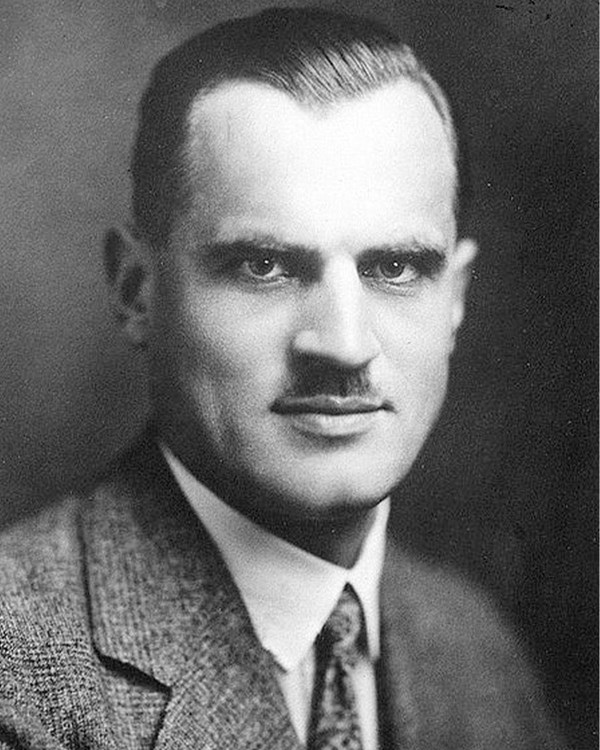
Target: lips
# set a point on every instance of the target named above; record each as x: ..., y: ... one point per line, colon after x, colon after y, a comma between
x: 329, y: 405
x: 331, y: 418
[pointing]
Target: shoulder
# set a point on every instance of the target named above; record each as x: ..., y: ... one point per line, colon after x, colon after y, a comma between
x: 43, y: 562
x: 450, y: 620
x: 465, y: 660
x: 42, y: 556
x: 441, y: 601
x: 45, y: 558
x: 41, y: 589
x: 53, y: 680
x: 40, y: 553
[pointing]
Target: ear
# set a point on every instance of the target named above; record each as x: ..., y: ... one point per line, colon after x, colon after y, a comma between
x: 129, y: 270
x: 462, y: 260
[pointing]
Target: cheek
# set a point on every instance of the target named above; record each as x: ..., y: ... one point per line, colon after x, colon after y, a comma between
x: 227, y: 344
x: 416, y: 345
x: 418, y: 337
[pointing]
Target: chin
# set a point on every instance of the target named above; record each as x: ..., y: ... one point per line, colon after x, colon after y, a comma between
x: 323, y: 493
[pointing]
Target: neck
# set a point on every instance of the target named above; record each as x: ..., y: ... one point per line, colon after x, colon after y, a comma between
x: 338, y: 540
x: 335, y: 537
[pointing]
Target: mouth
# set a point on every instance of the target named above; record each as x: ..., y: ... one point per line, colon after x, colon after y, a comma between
x: 334, y: 405
x: 331, y: 416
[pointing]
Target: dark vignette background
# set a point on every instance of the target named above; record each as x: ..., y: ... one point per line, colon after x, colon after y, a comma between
x: 506, y: 487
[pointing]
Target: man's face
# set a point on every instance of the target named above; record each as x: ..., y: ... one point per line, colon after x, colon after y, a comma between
x: 305, y: 309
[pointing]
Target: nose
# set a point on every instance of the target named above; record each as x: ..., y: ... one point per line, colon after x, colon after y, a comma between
x: 336, y: 325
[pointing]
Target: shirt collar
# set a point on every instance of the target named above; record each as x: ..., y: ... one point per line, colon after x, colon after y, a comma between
x: 289, y: 593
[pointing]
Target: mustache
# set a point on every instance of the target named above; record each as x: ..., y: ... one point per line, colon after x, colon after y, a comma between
x: 328, y: 380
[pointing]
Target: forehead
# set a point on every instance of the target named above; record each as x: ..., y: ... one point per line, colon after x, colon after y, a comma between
x: 254, y: 151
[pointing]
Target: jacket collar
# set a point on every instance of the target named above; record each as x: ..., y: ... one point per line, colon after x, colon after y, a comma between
x: 162, y: 601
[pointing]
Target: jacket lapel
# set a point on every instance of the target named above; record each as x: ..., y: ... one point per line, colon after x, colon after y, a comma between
x: 162, y: 602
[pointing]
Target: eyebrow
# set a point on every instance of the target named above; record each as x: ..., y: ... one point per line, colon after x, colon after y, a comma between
x: 260, y: 244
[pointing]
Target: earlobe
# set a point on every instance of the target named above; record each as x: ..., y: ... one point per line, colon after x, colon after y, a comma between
x: 129, y: 271
x: 463, y: 257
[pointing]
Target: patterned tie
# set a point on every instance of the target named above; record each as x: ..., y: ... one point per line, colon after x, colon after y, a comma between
x: 334, y: 721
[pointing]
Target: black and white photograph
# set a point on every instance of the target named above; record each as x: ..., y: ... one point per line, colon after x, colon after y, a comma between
x: 299, y: 375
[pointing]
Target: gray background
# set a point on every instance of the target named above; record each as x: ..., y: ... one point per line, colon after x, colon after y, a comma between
x: 506, y: 486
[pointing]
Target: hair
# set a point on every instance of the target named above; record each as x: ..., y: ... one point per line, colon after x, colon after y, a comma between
x: 316, y: 56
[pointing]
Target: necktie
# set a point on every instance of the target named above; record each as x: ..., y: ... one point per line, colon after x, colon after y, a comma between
x: 334, y: 720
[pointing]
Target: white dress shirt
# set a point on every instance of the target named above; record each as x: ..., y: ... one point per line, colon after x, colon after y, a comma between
x: 289, y: 594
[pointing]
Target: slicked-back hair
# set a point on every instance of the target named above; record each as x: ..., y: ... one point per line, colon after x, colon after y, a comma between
x: 316, y: 56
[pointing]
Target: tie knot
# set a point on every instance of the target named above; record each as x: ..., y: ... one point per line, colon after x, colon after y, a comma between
x: 342, y: 630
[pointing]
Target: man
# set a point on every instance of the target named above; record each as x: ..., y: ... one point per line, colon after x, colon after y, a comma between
x: 294, y: 274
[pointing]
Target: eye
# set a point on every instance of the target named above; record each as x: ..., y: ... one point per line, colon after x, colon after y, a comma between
x: 264, y: 267
x: 393, y: 270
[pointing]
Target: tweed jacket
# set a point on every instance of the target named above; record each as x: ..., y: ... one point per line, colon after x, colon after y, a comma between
x: 121, y: 628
